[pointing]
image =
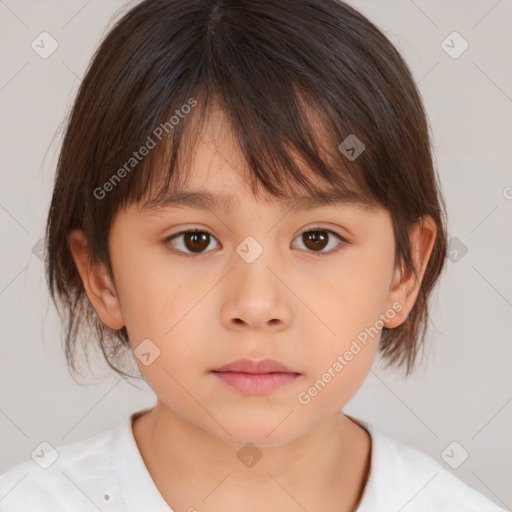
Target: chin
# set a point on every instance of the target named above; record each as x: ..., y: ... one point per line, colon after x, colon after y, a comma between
x: 257, y: 431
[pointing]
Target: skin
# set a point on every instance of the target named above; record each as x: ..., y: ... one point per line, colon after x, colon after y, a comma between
x: 291, y: 304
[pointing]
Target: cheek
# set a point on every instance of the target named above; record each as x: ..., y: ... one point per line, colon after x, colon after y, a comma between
x: 154, y: 295
x: 334, y: 385
x: 354, y: 293
x: 354, y: 297
x: 340, y: 362
x: 163, y: 304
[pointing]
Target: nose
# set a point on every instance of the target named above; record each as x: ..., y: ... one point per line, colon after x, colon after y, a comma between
x: 255, y: 297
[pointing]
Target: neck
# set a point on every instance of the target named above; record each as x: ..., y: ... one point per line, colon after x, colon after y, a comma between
x: 328, y: 465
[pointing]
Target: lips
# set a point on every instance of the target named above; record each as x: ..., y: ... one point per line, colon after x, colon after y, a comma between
x: 255, y: 367
x: 255, y: 377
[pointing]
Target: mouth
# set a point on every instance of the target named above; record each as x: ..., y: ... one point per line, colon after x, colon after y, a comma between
x: 256, y: 377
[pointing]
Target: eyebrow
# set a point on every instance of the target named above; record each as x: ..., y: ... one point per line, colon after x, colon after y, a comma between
x: 203, y: 200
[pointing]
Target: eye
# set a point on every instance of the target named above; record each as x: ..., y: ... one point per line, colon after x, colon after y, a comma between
x: 194, y: 240
x: 317, y: 238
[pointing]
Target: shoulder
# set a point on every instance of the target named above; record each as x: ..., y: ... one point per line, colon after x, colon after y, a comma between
x: 69, y: 477
x: 403, y: 476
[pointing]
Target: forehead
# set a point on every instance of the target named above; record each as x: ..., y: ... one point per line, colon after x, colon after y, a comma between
x: 227, y: 203
x: 217, y: 177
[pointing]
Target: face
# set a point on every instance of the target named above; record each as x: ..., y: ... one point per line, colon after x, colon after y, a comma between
x: 310, y: 289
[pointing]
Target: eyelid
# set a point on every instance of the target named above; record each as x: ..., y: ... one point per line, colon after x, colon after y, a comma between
x: 316, y: 227
x: 196, y: 229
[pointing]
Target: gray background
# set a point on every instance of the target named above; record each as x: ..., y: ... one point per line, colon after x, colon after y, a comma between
x: 461, y: 393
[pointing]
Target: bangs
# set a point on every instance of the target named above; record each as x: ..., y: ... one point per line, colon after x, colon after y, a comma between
x: 292, y: 160
x: 290, y: 100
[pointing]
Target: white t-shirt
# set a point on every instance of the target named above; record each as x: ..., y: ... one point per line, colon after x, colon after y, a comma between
x: 107, y: 473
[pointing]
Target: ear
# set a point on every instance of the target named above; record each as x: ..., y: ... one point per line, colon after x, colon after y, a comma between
x: 97, y: 283
x: 404, y: 287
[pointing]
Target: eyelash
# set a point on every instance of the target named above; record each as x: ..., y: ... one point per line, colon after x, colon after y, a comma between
x: 168, y: 240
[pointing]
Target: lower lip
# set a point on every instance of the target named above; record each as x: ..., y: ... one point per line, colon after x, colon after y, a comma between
x: 256, y: 383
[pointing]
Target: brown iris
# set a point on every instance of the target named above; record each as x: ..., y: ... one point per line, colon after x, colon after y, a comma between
x: 315, y: 240
x: 196, y: 240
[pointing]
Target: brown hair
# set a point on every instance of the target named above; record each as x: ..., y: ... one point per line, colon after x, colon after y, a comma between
x: 295, y: 78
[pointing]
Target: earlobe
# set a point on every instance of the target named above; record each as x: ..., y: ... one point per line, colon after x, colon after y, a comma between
x: 405, y: 287
x: 96, y: 281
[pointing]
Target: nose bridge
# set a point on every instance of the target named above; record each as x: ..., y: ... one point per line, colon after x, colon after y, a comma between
x: 257, y: 297
x: 255, y: 256
x: 259, y: 243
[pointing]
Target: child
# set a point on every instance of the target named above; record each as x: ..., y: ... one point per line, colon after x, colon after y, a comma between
x: 287, y: 140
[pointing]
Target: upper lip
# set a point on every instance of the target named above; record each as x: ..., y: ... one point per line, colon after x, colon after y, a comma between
x: 251, y: 366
